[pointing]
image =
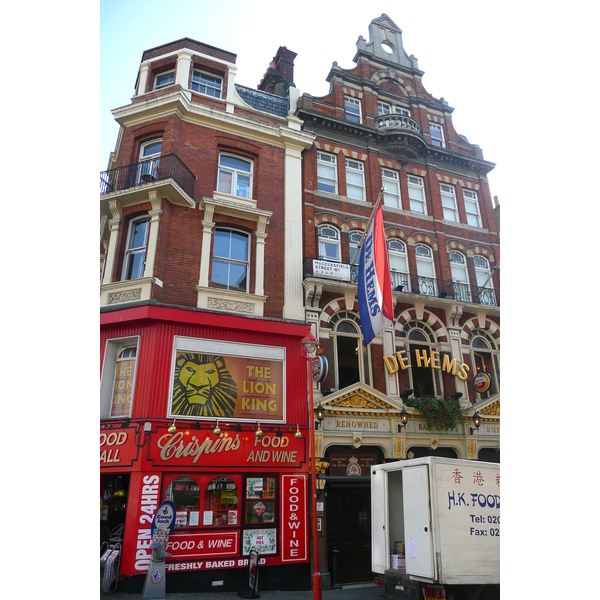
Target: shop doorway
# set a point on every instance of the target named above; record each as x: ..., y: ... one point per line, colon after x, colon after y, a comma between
x: 348, y: 512
x: 349, y: 531
x: 114, y: 490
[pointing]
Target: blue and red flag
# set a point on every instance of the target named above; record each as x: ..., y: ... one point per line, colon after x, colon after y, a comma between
x: 374, y: 284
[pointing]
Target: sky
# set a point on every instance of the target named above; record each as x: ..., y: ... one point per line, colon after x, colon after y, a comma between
x: 463, y: 53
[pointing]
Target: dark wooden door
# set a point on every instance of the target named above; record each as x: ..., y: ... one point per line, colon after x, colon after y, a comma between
x: 349, y: 530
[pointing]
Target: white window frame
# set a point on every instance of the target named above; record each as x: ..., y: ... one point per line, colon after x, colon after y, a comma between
x: 159, y: 86
x: 402, y: 111
x: 383, y: 108
x: 325, y: 163
x: 132, y: 251
x: 449, y: 205
x: 229, y: 260
x: 399, y: 276
x: 472, y: 208
x: 435, y: 139
x: 390, y: 180
x: 354, y: 238
x: 417, y: 183
x: 236, y: 175
x: 426, y: 281
x: 329, y: 236
x: 149, y: 162
x: 460, y: 276
x: 215, y: 91
x: 355, y: 112
x: 482, y: 275
x: 355, y: 167
x: 109, y: 370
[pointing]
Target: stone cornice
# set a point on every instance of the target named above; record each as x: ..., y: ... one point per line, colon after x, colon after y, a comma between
x: 179, y: 102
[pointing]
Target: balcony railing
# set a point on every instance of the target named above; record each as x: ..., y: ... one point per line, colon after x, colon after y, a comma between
x: 398, y: 122
x: 404, y: 282
x: 169, y: 166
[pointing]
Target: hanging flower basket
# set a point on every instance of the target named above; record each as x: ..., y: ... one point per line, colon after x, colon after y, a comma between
x: 440, y: 414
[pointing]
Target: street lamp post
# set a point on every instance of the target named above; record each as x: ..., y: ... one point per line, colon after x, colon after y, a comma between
x: 310, y: 345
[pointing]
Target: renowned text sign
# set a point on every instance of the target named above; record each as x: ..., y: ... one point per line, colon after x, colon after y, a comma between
x: 191, y: 447
x: 294, y: 526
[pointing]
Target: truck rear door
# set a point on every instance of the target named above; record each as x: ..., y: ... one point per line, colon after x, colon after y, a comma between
x: 380, y: 547
x: 417, y: 521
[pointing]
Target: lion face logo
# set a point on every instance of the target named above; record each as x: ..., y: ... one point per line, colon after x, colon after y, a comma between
x: 203, y: 386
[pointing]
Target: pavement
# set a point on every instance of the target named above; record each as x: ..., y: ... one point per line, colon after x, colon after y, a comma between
x: 347, y: 592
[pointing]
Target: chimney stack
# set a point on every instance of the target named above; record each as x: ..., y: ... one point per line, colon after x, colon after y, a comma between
x: 280, y: 73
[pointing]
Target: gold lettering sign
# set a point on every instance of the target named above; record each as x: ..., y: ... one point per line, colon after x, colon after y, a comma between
x: 400, y: 361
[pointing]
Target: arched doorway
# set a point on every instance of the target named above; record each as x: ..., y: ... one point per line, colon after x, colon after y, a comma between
x: 420, y: 451
x: 489, y: 455
x: 348, y: 512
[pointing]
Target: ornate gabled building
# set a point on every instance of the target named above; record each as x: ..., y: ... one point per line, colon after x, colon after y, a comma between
x: 378, y: 130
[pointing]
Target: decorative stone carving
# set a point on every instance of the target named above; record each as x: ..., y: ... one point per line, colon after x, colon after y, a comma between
x: 128, y: 296
x: 230, y: 305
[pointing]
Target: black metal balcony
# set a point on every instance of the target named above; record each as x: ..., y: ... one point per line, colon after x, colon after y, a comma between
x: 404, y: 282
x: 163, y: 168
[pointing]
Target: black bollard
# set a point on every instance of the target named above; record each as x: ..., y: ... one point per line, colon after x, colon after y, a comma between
x: 336, y: 585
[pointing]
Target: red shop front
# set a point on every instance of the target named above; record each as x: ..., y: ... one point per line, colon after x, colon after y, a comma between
x: 233, y: 493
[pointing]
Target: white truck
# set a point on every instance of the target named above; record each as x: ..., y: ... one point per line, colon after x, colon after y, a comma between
x: 445, y: 514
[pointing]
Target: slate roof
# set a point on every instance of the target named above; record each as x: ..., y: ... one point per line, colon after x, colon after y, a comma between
x: 275, y: 105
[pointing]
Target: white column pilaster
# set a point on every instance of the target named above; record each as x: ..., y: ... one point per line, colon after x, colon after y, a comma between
x: 207, y: 229
x: 117, y: 210
x: 155, y: 214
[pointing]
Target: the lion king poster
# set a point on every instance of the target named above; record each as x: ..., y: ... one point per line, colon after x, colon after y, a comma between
x: 227, y: 381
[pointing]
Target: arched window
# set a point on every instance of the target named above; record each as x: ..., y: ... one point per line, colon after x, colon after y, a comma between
x: 398, y: 266
x: 353, y: 240
x: 485, y: 285
x: 460, y: 277
x: 149, y: 161
x: 135, y: 253
x: 349, y: 358
x: 425, y: 270
x: 124, y: 381
x: 421, y: 341
x: 485, y: 358
x: 329, y: 243
x: 230, y: 260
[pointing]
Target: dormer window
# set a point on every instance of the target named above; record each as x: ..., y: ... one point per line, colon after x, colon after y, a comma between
x: 164, y: 79
x: 207, y: 84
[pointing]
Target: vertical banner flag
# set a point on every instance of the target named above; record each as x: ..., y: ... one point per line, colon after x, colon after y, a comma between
x: 374, y: 284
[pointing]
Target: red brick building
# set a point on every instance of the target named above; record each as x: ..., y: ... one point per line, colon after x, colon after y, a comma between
x: 378, y: 127
x: 203, y: 380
